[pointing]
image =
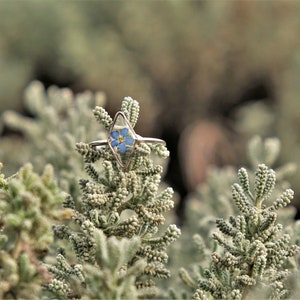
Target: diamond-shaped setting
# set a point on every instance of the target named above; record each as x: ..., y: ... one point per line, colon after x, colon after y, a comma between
x: 122, y: 139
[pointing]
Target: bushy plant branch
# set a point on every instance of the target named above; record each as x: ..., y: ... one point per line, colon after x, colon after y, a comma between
x: 252, y: 248
x: 120, y: 208
x: 28, y: 208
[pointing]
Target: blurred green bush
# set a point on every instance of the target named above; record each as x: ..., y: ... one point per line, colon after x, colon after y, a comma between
x: 185, y: 60
x: 200, y: 55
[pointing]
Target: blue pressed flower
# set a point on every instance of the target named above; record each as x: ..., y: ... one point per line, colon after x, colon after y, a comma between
x: 121, y: 139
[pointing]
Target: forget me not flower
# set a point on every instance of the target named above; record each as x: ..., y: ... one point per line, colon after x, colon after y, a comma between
x: 121, y: 139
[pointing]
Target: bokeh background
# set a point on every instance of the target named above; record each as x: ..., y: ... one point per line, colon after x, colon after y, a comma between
x: 208, y: 74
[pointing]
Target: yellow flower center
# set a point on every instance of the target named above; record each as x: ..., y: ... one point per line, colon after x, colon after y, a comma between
x: 120, y: 139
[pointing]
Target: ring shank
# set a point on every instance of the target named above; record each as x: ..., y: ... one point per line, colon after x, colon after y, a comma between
x: 98, y: 143
x: 150, y: 140
x: 139, y: 140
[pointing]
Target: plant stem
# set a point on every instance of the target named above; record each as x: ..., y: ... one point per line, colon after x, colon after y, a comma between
x: 247, y: 288
x: 17, y: 249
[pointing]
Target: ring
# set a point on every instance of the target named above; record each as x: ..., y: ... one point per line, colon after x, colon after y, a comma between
x: 122, y: 140
x: 138, y: 140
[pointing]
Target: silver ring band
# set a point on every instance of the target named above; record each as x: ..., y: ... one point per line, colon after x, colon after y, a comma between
x: 138, y: 140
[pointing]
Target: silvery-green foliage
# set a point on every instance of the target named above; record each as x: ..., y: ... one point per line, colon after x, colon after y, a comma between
x: 114, y: 280
x: 28, y: 208
x: 252, y: 248
x: 267, y: 151
x: 119, y: 209
x: 60, y: 119
x: 213, y: 200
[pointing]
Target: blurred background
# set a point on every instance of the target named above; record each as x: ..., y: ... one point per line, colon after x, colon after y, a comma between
x: 208, y: 74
